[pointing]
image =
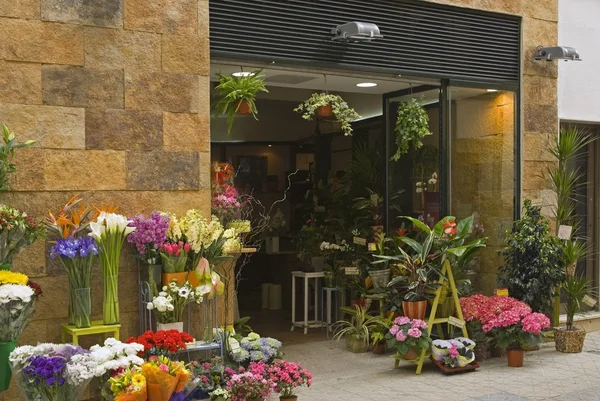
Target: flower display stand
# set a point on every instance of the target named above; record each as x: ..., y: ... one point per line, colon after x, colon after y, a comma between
x: 97, y: 327
x: 446, y: 274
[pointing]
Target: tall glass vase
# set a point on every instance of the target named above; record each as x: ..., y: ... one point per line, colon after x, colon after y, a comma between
x: 110, y: 306
x: 71, y: 293
x: 83, y: 307
x: 208, y: 323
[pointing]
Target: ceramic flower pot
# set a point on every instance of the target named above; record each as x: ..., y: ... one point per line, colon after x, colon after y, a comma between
x: 515, y: 357
x: 410, y: 355
x: 325, y: 111
x: 356, y: 345
x: 380, y: 278
x: 440, y: 349
x: 569, y: 341
x: 243, y: 108
x: 170, y: 326
x: 290, y: 398
x: 179, y: 277
x: 414, y: 309
x: 379, y: 348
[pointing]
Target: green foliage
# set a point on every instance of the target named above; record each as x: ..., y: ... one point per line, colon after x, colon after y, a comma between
x: 574, y: 288
x: 241, y: 327
x: 358, y: 326
x: 7, y: 153
x: 425, y: 161
x: 533, y: 264
x: 343, y: 113
x: 514, y: 337
x: 379, y: 327
x: 412, y: 125
x: 233, y: 90
x: 572, y: 251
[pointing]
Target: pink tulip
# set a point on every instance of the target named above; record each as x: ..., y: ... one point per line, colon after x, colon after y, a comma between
x: 187, y: 247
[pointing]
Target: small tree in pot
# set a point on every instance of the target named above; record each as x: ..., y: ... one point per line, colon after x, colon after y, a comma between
x: 571, y: 339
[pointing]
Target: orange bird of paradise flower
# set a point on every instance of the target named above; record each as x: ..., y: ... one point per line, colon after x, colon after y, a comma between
x: 71, y: 218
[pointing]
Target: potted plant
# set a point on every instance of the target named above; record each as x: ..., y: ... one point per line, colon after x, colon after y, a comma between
x: 356, y: 330
x: 238, y: 95
x: 308, y: 242
x: 570, y: 339
x: 408, y: 337
x: 380, y: 272
x: 412, y: 125
x: 249, y: 386
x: 378, y: 329
x: 327, y: 105
x: 371, y: 209
x: 287, y: 378
x: 275, y: 228
x: 330, y: 252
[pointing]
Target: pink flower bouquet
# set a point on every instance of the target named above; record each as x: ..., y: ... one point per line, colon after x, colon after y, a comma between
x: 408, y: 335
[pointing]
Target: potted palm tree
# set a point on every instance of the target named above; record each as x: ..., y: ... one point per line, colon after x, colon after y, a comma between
x: 238, y: 95
x: 327, y: 105
x: 570, y: 339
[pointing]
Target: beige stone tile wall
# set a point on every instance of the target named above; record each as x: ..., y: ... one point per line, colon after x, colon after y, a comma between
x: 116, y: 94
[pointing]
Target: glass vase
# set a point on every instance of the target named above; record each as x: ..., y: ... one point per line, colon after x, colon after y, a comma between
x: 154, y: 278
x: 83, y: 307
x: 207, y: 322
x: 110, y: 306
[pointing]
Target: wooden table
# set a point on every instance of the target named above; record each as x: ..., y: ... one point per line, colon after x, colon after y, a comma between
x: 97, y: 327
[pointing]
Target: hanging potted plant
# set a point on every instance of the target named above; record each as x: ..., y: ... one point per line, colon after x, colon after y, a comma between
x: 327, y: 105
x: 412, y: 125
x: 238, y: 95
x: 570, y: 339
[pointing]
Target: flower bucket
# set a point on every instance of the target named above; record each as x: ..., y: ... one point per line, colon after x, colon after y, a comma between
x: 380, y: 278
x: 243, y: 107
x: 440, y: 349
x: 569, y: 341
x: 414, y: 309
x: 272, y: 244
x: 325, y: 111
x: 170, y: 326
x: 179, y: 277
x: 470, y: 344
x: 5, y: 372
x: 515, y: 357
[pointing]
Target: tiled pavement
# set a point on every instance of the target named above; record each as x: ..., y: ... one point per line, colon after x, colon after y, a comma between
x: 546, y: 375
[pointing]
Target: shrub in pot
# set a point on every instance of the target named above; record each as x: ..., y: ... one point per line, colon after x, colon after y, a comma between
x: 570, y: 339
x: 408, y: 337
x: 356, y: 330
x: 325, y: 104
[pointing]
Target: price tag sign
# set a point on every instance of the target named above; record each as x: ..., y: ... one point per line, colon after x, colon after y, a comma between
x: 456, y: 322
x: 351, y: 271
x: 359, y: 241
x: 589, y: 301
x: 501, y: 292
x: 372, y: 247
x: 564, y: 232
x: 319, y: 208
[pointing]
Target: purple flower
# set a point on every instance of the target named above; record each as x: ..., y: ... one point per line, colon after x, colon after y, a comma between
x: 74, y: 247
x: 150, y: 233
x: 46, y: 370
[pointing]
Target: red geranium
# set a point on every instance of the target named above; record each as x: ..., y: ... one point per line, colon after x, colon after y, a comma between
x: 163, y: 342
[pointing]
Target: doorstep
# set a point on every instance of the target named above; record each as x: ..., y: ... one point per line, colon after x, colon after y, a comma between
x: 590, y: 321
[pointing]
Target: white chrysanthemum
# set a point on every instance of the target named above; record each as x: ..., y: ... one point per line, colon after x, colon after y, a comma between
x: 15, y: 292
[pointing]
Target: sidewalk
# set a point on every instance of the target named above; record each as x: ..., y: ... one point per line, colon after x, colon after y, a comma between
x: 546, y: 375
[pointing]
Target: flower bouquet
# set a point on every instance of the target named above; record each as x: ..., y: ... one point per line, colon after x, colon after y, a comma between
x: 53, y: 372
x: 255, y: 348
x: 17, y: 232
x: 161, y: 343
x: 249, y: 386
x: 129, y: 385
x: 166, y: 379
x: 409, y: 337
x: 17, y: 301
x: 110, y: 231
x: 287, y: 378
x: 77, y: 256
x: 170, y: 303
x: 149, y: 236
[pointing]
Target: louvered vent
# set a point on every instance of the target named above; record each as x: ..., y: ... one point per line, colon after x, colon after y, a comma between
x: 419, y: 37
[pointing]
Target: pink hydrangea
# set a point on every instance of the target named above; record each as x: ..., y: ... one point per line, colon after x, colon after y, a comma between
x: 415, y: 333
x: 394, y: 329
x: 400, y: 336
x: 418, y: 324
x: 400, y: 320
x: 535, y: 322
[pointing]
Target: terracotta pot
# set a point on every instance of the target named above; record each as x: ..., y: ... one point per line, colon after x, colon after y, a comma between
x: 379, y: 348
x: 290, y: 398
x: 515, y: 357
x: 411, y: 355
x: 358, y: 301
x: 179, y: 277
x: 325, y: 111
x: 255, y: 399
x: 243, y: 107
x: 414, y: 309
x: 569, y: 341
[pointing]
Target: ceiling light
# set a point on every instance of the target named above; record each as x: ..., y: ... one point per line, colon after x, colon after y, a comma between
x: 492, y: 90
x: 242, y: 74
x: 366, y: 84
x: 270, y: 146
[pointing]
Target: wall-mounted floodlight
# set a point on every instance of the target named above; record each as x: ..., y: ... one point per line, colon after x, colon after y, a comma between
x: 356, y: 32
x: 556, y: 53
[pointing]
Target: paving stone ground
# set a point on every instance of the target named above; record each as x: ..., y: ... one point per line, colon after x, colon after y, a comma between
x: 546, y: 375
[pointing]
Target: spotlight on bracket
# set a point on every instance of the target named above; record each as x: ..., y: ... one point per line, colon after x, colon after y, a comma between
x: 556, y: 53
x: 356, y: 32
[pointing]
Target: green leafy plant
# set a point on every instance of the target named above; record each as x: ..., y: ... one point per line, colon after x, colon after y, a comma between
x: 358, y: 327
x: 234, y: 90
x: 412, y: 125
x: 241, y: 327
x: 572, y: 251
x: 575, y: 288
x: 7, y: 152
x: 343, y: 113
x: 533, y: 265
x: 379, y: 327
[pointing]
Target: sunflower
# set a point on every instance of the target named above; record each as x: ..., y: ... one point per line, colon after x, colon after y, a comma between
x: 138, y: 381
x: 8, y: 277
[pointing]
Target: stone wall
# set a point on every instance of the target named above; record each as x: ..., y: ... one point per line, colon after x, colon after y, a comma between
x: 117, y: 95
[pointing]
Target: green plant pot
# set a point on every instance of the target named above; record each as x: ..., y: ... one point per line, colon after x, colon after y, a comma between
x: 356, y: 345
x: 5, y: 372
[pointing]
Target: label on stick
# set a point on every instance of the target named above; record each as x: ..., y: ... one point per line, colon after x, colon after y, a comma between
x: 456, y: 322
x: 359, y: 241
x: 589, y: 301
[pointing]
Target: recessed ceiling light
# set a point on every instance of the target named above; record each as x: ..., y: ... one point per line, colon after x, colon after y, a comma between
x: 492, y: 90
x: 366, y: 84
x: 242, y: 74
x: 270, y: 146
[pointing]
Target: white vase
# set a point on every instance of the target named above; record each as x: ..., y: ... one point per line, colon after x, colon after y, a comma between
x: 170, y: 326
x: 272, y: 245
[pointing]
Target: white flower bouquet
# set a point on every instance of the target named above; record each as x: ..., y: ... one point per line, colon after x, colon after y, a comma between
x: 170, y: 303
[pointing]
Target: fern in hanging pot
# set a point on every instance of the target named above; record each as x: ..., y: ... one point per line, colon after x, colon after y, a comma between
x: 412, y: 125
x: 320, y: 103
x: 238, y: 95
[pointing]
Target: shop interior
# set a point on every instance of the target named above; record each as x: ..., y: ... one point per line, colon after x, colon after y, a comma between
x: 282, y: 158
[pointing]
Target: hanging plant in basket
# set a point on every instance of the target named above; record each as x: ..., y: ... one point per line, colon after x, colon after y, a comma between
x: 238, y: 95
x: 412, y: 125
x: 326, y: 105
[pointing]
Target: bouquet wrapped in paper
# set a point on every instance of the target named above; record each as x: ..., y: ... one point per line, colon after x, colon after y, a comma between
x: 129, y: 385
x: 165, y: 378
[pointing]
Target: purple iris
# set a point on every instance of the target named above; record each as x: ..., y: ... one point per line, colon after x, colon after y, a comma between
x: 74, y: 247
x: 150, y: 232
x: 46, y: 370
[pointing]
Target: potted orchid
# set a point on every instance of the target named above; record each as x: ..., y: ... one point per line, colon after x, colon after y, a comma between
x: 408, y: 337
x: 110, y: 231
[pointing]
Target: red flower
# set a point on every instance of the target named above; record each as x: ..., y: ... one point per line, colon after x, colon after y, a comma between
x: 450, y: 228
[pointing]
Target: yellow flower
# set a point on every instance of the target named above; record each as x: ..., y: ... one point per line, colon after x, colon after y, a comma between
x: 138, y: 380
x: 8, y: 277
